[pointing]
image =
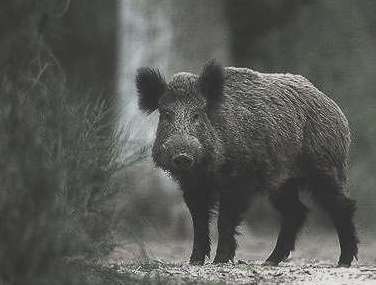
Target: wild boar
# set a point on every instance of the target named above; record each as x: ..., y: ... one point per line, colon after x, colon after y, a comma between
x: 232, y: 132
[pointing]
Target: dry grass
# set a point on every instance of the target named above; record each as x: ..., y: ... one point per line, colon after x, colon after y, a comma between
x: 59, y: 153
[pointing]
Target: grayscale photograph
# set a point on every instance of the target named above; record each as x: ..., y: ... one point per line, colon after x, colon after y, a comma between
x: 154, y: 142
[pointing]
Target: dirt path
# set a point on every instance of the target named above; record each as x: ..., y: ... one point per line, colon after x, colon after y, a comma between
x: 314, y: 262
x: 297, y: 272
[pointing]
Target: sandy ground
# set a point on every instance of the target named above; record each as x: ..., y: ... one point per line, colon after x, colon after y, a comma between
x: 293, y: 272
x: 313, y: 262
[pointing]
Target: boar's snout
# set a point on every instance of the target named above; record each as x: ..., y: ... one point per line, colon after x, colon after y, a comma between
x: 183, y: 151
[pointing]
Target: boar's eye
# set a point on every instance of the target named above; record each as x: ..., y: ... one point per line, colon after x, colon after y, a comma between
x: 195, y: 118
x: 166, y: 116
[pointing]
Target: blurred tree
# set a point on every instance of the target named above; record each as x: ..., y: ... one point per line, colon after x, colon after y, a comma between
x: 83, y: 36
x: 250, y: 20
x: 83, y: 40
x: 59, y: 150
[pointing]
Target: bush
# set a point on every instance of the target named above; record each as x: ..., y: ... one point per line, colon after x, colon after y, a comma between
x: 59, y: 151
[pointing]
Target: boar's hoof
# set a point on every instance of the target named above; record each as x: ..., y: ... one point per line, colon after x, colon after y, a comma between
x: 343, y: 265
x: 196, y: 262
x: 270, y: 263
x: 222, y: 259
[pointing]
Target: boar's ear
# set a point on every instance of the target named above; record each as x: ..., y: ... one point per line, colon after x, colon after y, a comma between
x: 150, y: 86
x: 211, y: 82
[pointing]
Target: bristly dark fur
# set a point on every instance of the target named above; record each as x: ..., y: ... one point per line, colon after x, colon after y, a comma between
x: 211, y: 82
x: 150, y: 86
x: 233, y: 132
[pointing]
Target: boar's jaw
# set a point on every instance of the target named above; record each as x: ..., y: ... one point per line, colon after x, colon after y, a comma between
x: 182, y: 161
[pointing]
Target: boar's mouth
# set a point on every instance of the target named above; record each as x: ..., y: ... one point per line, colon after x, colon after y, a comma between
x: 183, y: 152
x: 182, y: 161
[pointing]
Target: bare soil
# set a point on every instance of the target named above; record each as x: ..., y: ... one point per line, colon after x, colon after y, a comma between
x: 313, y: 262
x: 293, y: 272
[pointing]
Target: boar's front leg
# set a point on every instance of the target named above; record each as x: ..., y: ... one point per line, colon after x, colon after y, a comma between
x: 232, y: 205
x: 198, y: 203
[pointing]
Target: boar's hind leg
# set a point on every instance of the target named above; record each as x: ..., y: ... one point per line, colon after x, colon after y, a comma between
x: 232, y: 205
x: 329, y: 193
x: 293, y: 214
x: 199, y: 206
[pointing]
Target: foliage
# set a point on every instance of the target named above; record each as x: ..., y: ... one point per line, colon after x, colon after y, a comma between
x: 59, y: 152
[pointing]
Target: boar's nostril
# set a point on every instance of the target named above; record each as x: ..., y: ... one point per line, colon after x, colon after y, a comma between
x: 182, y: 161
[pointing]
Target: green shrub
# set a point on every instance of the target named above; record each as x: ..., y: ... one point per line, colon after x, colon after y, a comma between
x: 59, y: 150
